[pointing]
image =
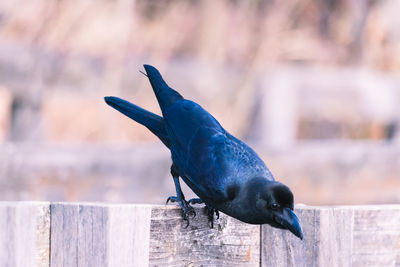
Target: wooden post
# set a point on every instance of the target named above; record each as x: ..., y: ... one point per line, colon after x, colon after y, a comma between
x: 139, y: 235
x: 337, y: 236
x: 229, y: 243
x: 24, y: 234
x: 99, y: 234
x: 275, y: 120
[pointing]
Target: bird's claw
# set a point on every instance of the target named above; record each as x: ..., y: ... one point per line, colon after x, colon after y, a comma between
x: 217, y: 213
x: 172, y: 199
x: 210, y: 215
x: 187, y: 209
x: 195, y: 201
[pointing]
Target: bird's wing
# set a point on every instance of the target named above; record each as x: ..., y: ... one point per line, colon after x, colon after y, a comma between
x: 225, y: 162
x: 190, y: 129
x: 210, y: 158
x: 183, y: 120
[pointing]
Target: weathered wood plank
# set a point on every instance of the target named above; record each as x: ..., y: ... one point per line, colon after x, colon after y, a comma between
x: 25, y: 233
x: 99, y: 234
x: 337, y: 236
x: 139, y: 235
x: 230, y: 243
x: 376, y: 235
x: 282, y: 248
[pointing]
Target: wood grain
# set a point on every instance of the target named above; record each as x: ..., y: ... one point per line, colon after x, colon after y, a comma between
x: 337, y: 236
x: 24, y: 235
x: 229, y: 243
x: 100, y: 234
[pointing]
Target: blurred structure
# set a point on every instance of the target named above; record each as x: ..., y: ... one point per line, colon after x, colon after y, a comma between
x: 314, y: 86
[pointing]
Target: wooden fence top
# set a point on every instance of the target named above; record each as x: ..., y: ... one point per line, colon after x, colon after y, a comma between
x: 106, y: 234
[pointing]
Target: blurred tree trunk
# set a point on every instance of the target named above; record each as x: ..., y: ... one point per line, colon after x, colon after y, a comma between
x: 360, y: 10
x: 26, y: 105
x: 25, y: 116
x: 327, y: 8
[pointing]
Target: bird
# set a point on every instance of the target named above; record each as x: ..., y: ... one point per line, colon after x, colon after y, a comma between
x: 225, y: 173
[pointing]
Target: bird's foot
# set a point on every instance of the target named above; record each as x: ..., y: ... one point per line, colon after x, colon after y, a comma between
x: 210, y: 214
x: 187, y: 209
x: 195, y: 201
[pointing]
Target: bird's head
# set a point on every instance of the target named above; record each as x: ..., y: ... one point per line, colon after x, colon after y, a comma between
x: 273, y: 204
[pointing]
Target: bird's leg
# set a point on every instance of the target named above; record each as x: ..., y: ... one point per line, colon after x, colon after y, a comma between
x: 187, y: 210
x: 210, y: 214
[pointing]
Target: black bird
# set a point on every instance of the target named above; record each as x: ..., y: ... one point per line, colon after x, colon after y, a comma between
x: 225, y: 173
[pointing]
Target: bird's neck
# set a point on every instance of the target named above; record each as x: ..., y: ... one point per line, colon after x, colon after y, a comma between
x: 243, y: 206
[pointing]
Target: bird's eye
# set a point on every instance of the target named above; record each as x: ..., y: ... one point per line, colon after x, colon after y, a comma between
x: 274, y: 206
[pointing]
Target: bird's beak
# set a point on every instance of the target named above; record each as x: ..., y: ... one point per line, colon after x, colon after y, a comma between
x: 290, y: 221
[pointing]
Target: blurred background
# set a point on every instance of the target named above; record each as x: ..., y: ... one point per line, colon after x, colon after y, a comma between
x: 312, y: 85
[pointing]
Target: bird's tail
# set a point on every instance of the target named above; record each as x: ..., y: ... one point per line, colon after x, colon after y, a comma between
x: 152, y: 121
x: 165, y: 94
